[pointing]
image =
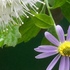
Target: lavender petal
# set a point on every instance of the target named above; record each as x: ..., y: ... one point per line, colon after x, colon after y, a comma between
x: 52, y: 39
x: 54, y: 61
x: 68, y: 34
x: 46, y: 48
x: 44, y: 55
x: 60, y: 33
x: 67, y: 63
x: 62, y: 63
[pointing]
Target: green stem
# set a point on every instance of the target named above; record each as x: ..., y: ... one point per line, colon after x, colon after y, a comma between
x: 43, y: 9
x: 48, y: 8
x: 50, y: 14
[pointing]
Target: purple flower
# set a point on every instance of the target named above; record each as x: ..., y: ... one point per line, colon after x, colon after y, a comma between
x: 61, y: 48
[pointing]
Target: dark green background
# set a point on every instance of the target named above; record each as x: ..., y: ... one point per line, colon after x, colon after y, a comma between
x: 22, y: 57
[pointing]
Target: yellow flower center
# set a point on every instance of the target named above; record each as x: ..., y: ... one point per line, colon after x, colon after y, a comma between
x: 64, y: 48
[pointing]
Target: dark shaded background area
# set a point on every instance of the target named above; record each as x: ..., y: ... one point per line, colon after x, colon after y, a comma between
x: 22, y: 57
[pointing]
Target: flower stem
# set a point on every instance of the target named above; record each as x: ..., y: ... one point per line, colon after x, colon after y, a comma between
x: 43, y: 9
x: 50, y: 14
x: 48, y: 8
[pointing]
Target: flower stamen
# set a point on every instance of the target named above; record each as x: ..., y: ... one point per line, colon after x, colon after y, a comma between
x: 64, y: 48
x: 16, y: 9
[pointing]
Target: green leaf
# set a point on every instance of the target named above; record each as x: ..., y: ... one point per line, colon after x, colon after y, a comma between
x: 10, y: 37
x: 56, y: 3
x: 42, y: 21
x: 1, y: 41
x: 32, y: 26
x: 68, y: 1
x: 66, y: 10
x: 28, y: 30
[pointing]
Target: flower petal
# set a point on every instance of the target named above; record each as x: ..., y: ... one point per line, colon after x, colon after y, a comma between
x: 46, y: 48
x: 54, y: 61
x: 60, y: 33
x: 68, y: 34
x: 44, y: 55
x: 52, y: 39
x: 67, y: 63
x: 62, y: 63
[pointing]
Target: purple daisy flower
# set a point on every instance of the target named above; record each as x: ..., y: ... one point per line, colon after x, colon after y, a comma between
x: 61, y: 48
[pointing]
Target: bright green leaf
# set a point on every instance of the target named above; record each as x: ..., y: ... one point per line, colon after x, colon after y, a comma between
x: 42, y: 21
x: 11, y: 36
x: 1, y: 41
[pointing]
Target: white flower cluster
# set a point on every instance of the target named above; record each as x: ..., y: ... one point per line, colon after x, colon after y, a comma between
x: 15, y: 8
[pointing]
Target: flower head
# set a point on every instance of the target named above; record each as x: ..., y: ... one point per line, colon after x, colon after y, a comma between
x: 15, y: 8
x: 61, y: 48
